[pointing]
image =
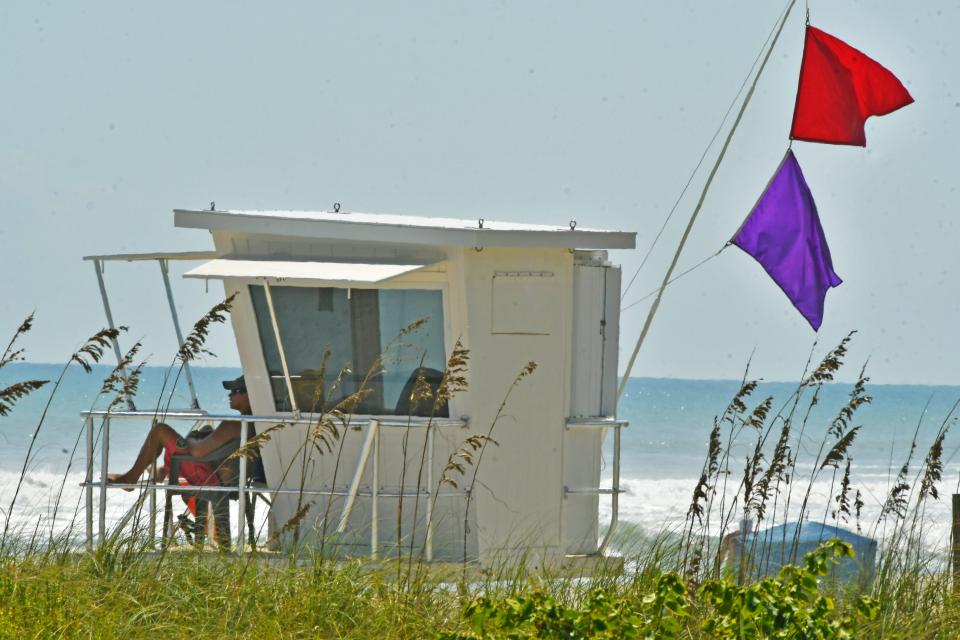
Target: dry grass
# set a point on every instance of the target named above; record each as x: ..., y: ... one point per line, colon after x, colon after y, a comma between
x: 124, y: 589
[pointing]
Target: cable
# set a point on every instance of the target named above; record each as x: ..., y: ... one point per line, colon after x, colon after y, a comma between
x: 703, y: 196
x: 683, y: 191
x: 675, y: 278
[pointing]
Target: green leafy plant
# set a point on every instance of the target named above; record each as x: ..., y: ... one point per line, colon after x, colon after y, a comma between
x: 787, y: 606
x: 537, y: 614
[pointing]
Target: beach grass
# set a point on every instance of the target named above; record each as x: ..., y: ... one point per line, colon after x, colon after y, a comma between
x: 209, y: 595
x: 116, y: 592
x: 672, y: 584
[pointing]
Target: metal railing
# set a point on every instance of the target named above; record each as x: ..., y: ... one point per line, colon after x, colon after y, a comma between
x: 369, y: 447
x: 371, y: 442
x: 615, y: 491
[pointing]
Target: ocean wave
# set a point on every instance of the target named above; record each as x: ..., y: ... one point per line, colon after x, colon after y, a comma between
x: 37, y: 514
x: 661, y: 505
x: 37, y: 518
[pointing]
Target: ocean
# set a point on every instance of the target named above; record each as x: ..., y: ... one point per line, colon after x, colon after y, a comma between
x: 663, y: 449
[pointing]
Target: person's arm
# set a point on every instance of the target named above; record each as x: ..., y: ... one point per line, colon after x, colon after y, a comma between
x: 225, y: 432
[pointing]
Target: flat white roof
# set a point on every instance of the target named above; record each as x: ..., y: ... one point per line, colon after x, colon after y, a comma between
x: 404, y: 229
x: 343, y: 273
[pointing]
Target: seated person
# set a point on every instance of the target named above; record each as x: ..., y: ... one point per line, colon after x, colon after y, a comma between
x: 164, y: 439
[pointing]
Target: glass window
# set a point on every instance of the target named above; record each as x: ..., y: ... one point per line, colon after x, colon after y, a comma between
x: 356, y: 328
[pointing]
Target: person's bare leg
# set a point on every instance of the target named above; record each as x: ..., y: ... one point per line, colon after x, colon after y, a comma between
x: 152, y: 447
x: 227, y: 472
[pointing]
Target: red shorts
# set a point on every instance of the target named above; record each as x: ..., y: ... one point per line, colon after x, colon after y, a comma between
x: 196, y: 473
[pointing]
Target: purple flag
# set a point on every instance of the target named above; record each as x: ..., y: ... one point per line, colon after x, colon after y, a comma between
x: 784, y: 235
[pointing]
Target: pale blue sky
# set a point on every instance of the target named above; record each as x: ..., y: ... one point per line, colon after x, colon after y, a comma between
x: 116, y: 112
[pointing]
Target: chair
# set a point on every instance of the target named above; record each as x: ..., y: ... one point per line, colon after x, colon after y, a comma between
x: 219, y: 502
x: 432, y: 377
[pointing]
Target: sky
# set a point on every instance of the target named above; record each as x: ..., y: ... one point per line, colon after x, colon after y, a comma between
x: 115, y: 113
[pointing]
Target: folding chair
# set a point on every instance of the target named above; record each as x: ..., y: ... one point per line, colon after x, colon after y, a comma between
x: 217, y: 502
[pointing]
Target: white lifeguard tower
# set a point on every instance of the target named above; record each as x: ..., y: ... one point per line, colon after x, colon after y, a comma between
x: 346, y: 284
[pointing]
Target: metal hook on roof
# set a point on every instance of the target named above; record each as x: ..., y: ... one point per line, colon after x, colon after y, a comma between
x: 213, y: 206
x: 480, y: 223
x: 336, y: 207
x: 573, y: 225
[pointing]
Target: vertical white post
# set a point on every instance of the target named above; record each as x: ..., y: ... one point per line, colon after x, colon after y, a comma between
x: 104, y: 461
x: 153, y: 502
x: 89, y: 483
x: 375, y: 499
x: 283, y: 356
x: 429, y: 540
x: 164, y: 271
x: 242, y: 490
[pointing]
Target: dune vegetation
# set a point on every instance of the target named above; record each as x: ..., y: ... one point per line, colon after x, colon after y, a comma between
x: 682, y: 583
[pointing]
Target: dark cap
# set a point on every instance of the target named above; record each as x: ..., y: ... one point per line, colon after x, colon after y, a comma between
x: 235, y: 385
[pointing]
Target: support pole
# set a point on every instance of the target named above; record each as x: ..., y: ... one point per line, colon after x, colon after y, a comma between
x: 696, y: 210
x: 283, y: 356
x: 372, y: 429
x: 165, y: 272
x: 98, y: 267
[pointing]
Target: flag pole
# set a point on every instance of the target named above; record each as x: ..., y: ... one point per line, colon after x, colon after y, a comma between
x: 696, y: 210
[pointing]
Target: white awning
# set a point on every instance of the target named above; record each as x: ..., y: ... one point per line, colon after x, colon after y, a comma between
x: 342, y: 273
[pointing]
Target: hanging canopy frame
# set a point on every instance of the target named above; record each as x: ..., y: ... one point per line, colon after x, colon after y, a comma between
x: 163, y: 259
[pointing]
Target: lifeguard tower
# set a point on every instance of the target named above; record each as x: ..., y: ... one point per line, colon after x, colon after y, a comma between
x: 346, y: 284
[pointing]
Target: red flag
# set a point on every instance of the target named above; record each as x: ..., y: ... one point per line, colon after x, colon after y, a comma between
x: 839, y: 89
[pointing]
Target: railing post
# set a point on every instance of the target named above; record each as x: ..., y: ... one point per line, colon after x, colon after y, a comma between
x: 428, y: 543
x: 242, y: 490
x: 89, y: 483
x: 375, y: 500
x: 153, y: 503
x: 104, y: 461
x: 955, y: 541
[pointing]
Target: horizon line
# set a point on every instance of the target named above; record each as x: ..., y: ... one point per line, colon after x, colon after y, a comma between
x: 684, y: 379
